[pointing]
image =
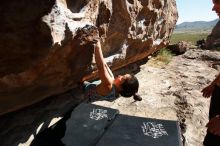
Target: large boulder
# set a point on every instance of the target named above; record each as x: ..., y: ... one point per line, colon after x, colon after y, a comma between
x: 213, y: 40
x: 180, y: 47
x: 41, y: 53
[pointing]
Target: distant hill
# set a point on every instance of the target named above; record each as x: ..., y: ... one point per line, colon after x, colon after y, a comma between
x: 196, y: 26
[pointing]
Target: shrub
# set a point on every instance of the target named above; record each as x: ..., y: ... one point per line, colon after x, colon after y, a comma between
x: 163, y: 57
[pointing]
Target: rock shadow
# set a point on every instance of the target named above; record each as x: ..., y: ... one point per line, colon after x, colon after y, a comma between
x: 26, y: 124
x: 25, y: 38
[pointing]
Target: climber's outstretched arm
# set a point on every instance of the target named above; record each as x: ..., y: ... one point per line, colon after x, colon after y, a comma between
x: 104, y: 72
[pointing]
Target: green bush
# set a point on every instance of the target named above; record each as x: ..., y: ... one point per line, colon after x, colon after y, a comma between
x: 162, y: 57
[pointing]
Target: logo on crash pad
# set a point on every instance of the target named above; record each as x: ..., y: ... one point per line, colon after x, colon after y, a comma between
x: 153, y: 130
x: 98, y: 114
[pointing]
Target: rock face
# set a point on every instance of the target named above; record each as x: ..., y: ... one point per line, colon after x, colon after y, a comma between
x: 179, y: 48
x: 41, y: 55
x: 213, y: 40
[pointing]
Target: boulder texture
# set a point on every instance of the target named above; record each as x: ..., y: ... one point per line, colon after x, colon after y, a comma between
x: 42, y: 52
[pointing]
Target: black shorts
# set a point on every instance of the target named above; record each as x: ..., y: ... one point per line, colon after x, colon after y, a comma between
x: 211, y: 140
x: 214, y: 110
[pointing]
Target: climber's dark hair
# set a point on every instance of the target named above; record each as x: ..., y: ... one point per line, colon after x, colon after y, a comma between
x: 130, y: 87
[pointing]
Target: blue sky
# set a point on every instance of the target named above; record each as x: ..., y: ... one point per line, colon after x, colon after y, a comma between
x: 195, y: 10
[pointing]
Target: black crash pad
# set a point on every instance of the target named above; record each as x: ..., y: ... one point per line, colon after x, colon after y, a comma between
x: 93, y: 125
x: 87, y: 124
x: 137, y: 131
x: 84, y: 126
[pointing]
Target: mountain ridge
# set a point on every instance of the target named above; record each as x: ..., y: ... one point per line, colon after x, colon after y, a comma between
x: 194, y: 26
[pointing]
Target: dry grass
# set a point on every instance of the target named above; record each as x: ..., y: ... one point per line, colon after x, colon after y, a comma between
x: 163, y: 57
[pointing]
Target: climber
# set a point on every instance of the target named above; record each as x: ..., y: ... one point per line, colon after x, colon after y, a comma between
x: 108, y: 88
x: 212, y: 137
